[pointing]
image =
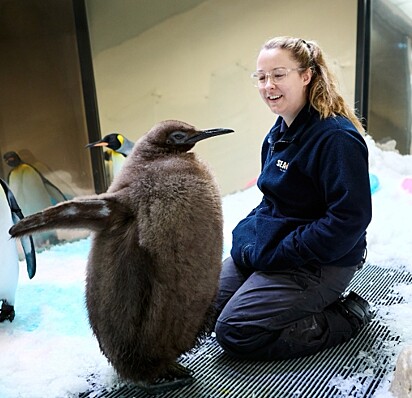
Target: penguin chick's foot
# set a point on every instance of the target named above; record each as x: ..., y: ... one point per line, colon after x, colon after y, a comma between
x: 7, y: 312
x: 176, y: 376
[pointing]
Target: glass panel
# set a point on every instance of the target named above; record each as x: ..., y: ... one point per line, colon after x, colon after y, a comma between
x: 42, y: 116
x: 389, y: 116
x: 191, y: 60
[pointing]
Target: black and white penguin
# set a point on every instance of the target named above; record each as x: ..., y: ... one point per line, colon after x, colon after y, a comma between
x: 33, y: 191
x: 155, y: 260
x: 10, y: 213
x: 118, y: 147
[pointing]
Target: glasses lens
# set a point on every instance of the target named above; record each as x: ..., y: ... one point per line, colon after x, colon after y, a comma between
x: 258, y: 79
x: 278, y: 74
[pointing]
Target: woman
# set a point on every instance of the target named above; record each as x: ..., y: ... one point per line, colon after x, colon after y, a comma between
x: 295, y: 254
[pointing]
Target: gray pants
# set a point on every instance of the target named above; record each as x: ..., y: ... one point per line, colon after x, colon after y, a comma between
x: 281, y: 314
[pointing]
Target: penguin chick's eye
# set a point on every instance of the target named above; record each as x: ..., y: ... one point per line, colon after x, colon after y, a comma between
x: 176, y: 138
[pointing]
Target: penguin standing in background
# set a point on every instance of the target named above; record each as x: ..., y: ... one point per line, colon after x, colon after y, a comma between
x: 10, y: 213
x: 118, y: 147
x: 33, y: 191
x: 155, y: 259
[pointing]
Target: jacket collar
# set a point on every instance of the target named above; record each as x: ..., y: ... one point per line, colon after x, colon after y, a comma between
x: 291, y: 133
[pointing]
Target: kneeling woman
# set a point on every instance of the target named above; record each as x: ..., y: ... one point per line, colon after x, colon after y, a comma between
x: 295, y: 254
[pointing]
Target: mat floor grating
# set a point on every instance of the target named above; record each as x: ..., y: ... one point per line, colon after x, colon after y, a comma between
x: 354, y: 369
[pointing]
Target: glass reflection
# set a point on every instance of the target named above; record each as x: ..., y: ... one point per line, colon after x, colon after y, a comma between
x: 389, y: 114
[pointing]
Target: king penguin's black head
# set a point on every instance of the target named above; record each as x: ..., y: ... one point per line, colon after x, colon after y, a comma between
x: 113, y: 141
x: 12, y: 159
x: 177, y: 136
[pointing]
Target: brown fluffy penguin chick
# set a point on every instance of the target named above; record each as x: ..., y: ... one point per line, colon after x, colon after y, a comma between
x: 155, y: 260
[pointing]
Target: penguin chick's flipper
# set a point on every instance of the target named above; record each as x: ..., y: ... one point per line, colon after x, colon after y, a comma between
x: 89, y: 213
x: 26, y: 242
x: 176, y: 376
x: 6, y: 312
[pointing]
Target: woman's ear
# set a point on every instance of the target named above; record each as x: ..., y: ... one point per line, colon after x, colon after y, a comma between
x: 307, y: 76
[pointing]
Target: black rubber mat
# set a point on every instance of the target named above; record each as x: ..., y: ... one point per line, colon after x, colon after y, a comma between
x: 354, y: 369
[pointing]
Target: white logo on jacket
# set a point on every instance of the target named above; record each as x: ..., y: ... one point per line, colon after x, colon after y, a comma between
x: 283, y: 166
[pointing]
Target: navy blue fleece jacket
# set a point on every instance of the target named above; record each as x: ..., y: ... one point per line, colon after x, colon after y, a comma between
x: 316, y: 202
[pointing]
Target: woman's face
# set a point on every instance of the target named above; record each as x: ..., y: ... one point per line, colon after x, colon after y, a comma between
x: 288, y: 96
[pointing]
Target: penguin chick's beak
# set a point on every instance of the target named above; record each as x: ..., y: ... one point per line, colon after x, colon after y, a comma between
x: 203, y: 134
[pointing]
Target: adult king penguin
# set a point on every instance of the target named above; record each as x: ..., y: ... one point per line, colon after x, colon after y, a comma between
x: 30, y: 185
x: 118, y: 148
x: 155, y: 259
x: 33, y: 191
x: 9, y: 270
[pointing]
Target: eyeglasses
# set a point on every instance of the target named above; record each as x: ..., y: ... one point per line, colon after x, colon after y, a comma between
x: 276, y: 76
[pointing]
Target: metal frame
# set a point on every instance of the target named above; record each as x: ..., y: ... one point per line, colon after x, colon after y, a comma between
x: 89, y: 92
x: 363, y: 60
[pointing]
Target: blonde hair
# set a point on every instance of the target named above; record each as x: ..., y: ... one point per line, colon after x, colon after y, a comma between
x: 323, y: 94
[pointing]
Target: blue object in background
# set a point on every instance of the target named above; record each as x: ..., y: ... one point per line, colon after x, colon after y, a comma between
x: 374, y: 183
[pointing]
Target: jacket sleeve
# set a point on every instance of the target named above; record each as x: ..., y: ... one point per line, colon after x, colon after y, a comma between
x: 246, y: 227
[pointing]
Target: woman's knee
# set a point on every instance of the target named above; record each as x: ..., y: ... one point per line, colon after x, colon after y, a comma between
x: 243, y: 341
x: 232, y: 339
